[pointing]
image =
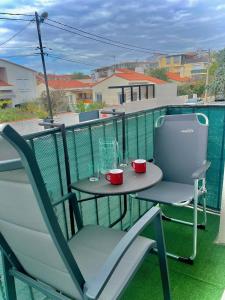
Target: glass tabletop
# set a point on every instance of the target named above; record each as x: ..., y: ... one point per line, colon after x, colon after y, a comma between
x: 132, y: 182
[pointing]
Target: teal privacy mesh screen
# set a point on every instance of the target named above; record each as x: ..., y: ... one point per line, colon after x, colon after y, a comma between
x: 82, y: 142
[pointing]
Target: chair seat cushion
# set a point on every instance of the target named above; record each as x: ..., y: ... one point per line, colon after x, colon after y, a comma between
x: 18, y: 175
x: 168, y: 192
x: 92, y: 246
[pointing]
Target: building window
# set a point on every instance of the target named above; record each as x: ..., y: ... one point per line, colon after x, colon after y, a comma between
x: 168, y: 60
x: 177, y: 59
x: 98, y: 97
x: 199, y: 71
x: 120, y: 98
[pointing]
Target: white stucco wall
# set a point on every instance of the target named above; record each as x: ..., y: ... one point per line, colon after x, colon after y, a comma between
x: 23, y: 81
x: 166, y: 94
x: 109, y: 96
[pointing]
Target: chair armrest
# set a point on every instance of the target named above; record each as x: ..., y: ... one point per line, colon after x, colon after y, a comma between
x: 199, y: 173
x: 9, y: 165
x: 95, y: 287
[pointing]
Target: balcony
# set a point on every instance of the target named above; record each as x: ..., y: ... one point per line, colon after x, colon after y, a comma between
x: 205, y: 280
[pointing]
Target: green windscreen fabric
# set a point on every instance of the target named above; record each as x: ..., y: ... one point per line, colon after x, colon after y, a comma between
x: 83, y: 140
x: 83, y: 150
x: 216, y: 116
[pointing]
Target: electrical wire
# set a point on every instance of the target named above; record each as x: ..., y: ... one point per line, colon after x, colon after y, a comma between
x: 15, y: 34
x: 15, y: 14
x: 17, y: 19
x: 154, y: 51
x: 95, y: 39
x: 101, y: 37
x: 69, y: 60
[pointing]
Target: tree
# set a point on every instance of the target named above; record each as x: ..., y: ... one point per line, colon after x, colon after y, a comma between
x: 79, y: 75
x: 158, y: 73
x: 217, y: 84
x: 191, y: 88
x: 58, y: 101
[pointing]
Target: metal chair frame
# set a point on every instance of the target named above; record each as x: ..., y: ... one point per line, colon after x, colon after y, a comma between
x: 13, y: 268
x: 198, y: 177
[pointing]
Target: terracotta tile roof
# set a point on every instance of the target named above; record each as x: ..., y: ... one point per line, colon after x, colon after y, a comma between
x: 131, y: 76
x: 60, y: 77
x: 67, y: 84
x: 176, y: 77
x: 3, y: 83
x: 124, y: 70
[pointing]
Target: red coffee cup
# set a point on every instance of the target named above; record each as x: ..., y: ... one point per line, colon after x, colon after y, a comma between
x: 115, y: 176
x: 139, y: 165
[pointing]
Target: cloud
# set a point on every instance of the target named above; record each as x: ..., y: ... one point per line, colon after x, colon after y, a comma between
x: 189, y: 3
x: 159, y: 25
x: 220, y: 7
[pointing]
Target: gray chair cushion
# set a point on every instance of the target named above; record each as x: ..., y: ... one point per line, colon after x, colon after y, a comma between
x: 180, y: 147
x: 168, y: 192
x: 92, y: 246
x: 18, y: 175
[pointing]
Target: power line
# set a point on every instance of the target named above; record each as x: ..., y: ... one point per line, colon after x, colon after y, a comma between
x: 95, y: 39
x: 69, y: 60
x: 13, y: 19
x: 16, y: 14
x: 154, y: 51
x: 17, y: 33
x: 101, y: 37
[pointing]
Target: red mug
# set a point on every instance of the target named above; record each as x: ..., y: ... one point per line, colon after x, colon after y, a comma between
x: 115, y: 176
x: 139, y: 165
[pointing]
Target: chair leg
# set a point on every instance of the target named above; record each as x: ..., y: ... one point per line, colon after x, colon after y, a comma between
x: 190, y: 259
x: 195, y: 226
x: 200, y: 225
x: 204, y: 208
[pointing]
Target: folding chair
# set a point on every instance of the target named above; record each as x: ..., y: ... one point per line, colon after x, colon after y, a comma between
x: 180, y: 150
x: 96, y: 263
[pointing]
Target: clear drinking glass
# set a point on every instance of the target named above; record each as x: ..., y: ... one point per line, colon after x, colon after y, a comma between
x: 123, y: 159
x: 94, y: 172
x: 108, y: 154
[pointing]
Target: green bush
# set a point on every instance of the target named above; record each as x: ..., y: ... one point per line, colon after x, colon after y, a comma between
x: 25, y: 111
x: 159, y: 73
x: 13, y: 114
x: 34, y: 108
x: 83, y: 107
x: 4, y: 103
x: 190, y: 89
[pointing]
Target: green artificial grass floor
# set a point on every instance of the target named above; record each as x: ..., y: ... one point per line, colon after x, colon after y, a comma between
x: 205, y: 280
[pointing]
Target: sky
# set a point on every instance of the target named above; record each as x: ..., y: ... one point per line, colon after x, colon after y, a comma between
x: 159, y: 26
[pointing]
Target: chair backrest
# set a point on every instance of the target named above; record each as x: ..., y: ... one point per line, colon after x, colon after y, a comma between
x: 29, y: 225
x: 180, y: 146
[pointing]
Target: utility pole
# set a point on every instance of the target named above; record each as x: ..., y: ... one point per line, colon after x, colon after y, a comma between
x: 39, y: 20
x: 114, y: 56
x: 207, y: 76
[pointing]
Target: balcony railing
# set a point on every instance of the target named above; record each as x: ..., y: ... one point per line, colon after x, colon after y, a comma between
x: 82, y: 143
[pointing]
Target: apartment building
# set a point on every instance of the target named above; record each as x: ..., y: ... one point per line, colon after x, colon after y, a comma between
x: 17, y: 83
x: 190, y: 65
x: 107, y: 71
